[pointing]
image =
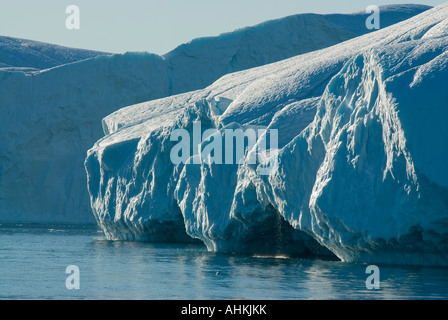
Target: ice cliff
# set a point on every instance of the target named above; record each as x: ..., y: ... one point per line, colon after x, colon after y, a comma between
x: 360, y: 169
x: 51, y: 117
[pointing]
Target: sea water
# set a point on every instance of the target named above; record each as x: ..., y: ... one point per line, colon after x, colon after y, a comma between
x: 46, y: 261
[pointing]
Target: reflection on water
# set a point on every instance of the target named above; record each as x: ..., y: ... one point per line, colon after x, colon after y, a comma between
x: 34, y: 258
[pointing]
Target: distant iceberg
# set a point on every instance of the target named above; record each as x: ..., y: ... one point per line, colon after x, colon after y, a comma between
x: 21, y: 54
x: 361, y: 156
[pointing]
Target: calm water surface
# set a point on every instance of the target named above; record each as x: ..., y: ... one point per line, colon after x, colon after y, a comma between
x: 34, y: 258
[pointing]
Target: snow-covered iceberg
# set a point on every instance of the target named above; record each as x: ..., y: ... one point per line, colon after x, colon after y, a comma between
x: 50, y: 118
x: 361, y: 160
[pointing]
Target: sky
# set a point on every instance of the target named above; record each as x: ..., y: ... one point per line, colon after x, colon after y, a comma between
x: 156, y: 26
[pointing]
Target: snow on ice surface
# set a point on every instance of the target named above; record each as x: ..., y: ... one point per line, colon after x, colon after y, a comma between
x: 51, y: 118
x: 361, y: 166
x: 271, y: 41
x: 20, y: 53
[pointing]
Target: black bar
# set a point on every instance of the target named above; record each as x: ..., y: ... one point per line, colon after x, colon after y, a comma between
x: 224, y: 309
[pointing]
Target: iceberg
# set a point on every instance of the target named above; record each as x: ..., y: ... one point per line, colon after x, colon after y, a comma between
x: 50, y: 119
x: 52, y: 100
x: 361, y: 155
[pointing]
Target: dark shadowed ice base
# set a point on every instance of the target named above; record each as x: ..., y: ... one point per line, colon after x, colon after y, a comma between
x: 273, y: 237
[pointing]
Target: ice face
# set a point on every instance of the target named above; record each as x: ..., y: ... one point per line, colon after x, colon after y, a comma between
x: 50, y: 119
x: 371, y: 198
x: 361, y: 161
